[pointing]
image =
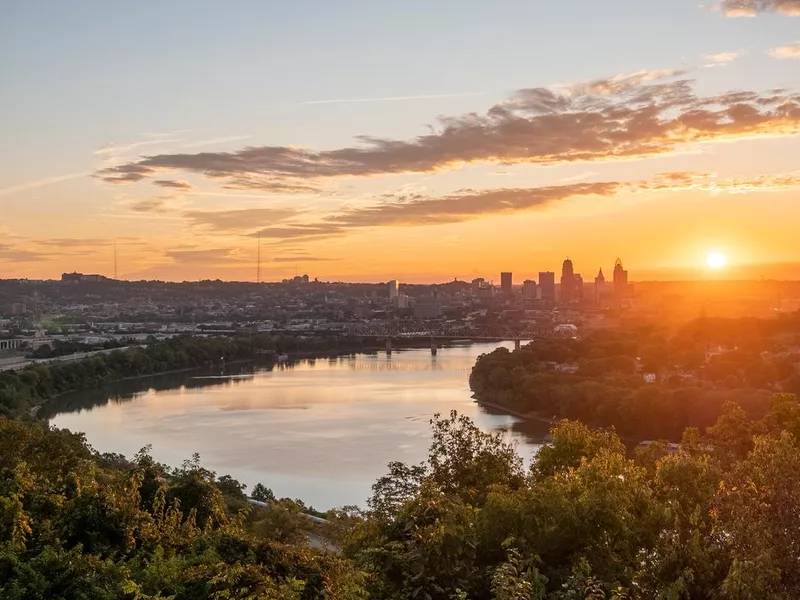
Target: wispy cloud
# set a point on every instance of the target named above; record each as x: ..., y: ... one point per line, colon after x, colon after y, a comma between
x: 789, y: 51
x: 302, y: 259
x: 467, y: 205
x: 580, y: 177
x: 630, y: 116
x: 116, y: 148
x: 217, y: 141
x: 15, y: 254
x: 392, y: 98
x: 159, y: 204
x: 246, y: 219
x: 751, y: 8
x: 209, y: 256
x: 721, y: 58
x: 174, y: 184
x: 23, y: 187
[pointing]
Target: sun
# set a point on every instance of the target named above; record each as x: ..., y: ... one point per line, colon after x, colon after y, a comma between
x: 715, y: 260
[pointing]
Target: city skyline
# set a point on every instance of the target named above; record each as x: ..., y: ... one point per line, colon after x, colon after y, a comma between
x: 197, y: 141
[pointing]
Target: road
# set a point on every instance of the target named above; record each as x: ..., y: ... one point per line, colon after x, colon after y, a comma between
x: 8, y: 365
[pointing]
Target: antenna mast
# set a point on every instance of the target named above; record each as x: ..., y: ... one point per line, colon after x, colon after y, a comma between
x: 115, y: 261
x: 258, y: 268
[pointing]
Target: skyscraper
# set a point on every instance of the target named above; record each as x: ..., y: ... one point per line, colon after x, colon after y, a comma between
x: 547, y: 283
x: 392, y: 290
x: 599, y: 285
x: 620, y: 280
x: 567, y: 281
x: 506, y: 283
x: 577, y: 288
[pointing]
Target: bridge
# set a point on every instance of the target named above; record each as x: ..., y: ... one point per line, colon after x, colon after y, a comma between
x: 458, y: 331
x: 25, y: 342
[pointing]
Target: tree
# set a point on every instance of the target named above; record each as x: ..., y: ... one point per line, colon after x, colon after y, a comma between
x: 230, y: 487
x: 262, y: 493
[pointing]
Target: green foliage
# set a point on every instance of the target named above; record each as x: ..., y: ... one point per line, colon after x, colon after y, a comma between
x: 262, y: 493
x: 715, y: 519
x: 73, y: 527
x: 698, y: 369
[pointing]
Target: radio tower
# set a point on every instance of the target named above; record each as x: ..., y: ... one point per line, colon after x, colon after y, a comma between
x: 258, y: 268
x: 115, y: 261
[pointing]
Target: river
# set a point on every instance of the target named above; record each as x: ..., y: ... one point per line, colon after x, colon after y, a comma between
x: 322, y: 430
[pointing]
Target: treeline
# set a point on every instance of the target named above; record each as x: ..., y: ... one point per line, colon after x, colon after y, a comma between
x: 75, y: 525
x: 20, y: 391
x: 67, y: 347
x: 600, y: 379
x: 716, y: 519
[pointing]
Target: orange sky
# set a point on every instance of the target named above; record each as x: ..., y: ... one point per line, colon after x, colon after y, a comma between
x: 658, y: 166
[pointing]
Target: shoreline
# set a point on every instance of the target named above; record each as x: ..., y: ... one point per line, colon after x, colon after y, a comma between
x: 300, y: 355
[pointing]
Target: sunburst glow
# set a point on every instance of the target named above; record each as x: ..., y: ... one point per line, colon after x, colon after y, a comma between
x: 715, y: 260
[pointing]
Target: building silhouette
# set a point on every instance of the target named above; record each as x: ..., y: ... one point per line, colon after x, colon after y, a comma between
x: 529, y: 289
x: 567, y: 281
x: 620, y: 280
x: 393, y: 290
x: 599, y: 286
x: 577, y: 287
x: 547, y: 285
x: 506, y: 283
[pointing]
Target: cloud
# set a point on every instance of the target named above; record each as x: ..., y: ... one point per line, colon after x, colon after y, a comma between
x: 173, y: 184
x: 300, y: 232
x: 580, y: 177
x: 245, y: 219
x: 708, y: 182
x: 751, y: 8
x: 302, y: 259
x: 14, y: 254
x: 721, y: 58
x: 158, y: 204
x: 115, y: 148
x: 24, y: 187
x: 392, y: 98
x: 213, y: 256
x: 624, y: 117
x: 76, y: 242
x: 790, y: 51
x: 217, y: 141
x: 467, y: 205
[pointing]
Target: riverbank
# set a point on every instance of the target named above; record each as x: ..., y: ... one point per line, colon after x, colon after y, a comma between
x: 533, y: 417
x: 411, y: 344
x: 37, y: 407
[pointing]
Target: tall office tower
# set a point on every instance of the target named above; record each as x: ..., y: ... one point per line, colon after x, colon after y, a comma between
x: 620, y: 280
x: 392, y: 290
x: 577, y: 290
x: 599, y: 286
x: 547, y: 283
x: 506, y: 283
x: 567, y: 281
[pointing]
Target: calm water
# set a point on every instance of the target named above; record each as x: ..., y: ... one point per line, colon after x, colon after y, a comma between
x: 320, y: 429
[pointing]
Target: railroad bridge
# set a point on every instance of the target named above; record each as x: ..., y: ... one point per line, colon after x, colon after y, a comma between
x: 437, y: 330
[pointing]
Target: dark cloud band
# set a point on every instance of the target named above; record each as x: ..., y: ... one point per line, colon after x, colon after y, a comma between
x: 633, y: 116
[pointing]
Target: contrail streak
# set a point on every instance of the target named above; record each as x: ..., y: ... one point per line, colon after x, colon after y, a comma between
x: 392, y: 98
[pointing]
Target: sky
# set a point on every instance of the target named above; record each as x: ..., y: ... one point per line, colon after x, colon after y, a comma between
x: 422, y: 141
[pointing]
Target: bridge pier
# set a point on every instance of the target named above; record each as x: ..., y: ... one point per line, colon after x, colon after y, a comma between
x: 434, y: 347
x: 388, y: 345
x: 516, y: 344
